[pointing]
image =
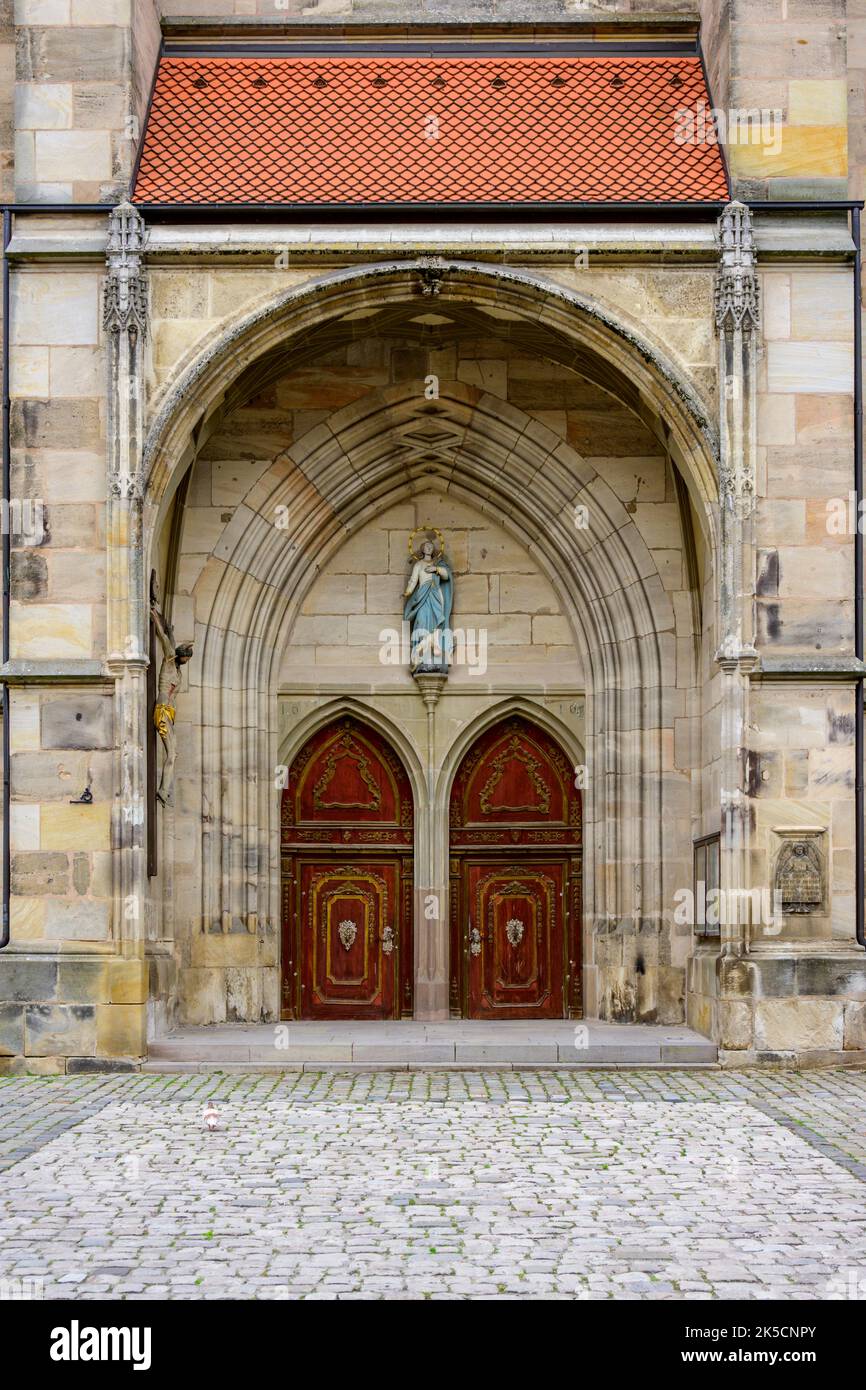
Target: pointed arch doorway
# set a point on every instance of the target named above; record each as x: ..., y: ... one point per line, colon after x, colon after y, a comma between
x: 516, y: 878
x: 346, y: 886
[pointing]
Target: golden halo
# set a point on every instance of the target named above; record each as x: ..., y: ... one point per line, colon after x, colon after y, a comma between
x: 439, y: 536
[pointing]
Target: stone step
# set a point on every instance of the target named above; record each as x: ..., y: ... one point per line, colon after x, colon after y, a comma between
x: 417, y: 1045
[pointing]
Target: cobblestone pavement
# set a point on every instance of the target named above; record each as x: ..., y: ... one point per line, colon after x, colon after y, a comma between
x: 631, y: 1184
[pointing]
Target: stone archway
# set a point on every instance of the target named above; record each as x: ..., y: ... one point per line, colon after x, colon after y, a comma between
x: 510, y: 465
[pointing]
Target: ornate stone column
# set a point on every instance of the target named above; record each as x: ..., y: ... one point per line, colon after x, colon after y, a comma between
x: 737, y: 313
x: 125, y: 324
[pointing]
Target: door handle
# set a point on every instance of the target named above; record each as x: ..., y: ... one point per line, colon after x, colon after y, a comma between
x: 475, y: 940
x: 388, y: 940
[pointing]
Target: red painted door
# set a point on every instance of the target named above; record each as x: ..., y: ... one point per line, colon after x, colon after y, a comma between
x: 349, y: 924
x: 514, y: 938
x: 347, y: 820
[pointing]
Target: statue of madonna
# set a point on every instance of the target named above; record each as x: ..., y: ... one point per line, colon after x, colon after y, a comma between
x: 429, y: 598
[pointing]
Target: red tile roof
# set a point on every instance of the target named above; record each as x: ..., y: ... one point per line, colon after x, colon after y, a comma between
x: 353, y: 130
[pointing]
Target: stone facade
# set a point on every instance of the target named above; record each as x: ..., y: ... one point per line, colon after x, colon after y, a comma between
x: 637, y: 439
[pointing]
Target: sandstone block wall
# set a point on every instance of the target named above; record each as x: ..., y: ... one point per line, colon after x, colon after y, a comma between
x: 82, y: 79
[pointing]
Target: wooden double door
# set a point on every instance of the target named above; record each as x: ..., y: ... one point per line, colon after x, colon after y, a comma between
x: 348, y: 873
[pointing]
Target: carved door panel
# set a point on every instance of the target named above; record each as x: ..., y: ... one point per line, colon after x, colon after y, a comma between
x: 514, y: 939
x: 348, y: 925
x: 346, y: 832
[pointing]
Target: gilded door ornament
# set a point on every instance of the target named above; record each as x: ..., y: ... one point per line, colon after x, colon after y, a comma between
x: 347, y: 931
x: 514, y: 931
x: 514, y: 750
x: 346, y: 747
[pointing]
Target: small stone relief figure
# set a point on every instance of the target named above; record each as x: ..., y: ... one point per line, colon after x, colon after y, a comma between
x: 799, y: 878
x: 168, y: 684
x: 429, y: 597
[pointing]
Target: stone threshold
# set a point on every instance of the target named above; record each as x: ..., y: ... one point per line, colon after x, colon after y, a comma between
x: 162, y: 1068
x: 410, y: 1044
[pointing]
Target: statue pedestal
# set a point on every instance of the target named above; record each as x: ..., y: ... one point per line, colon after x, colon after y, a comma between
x: 430, y: 686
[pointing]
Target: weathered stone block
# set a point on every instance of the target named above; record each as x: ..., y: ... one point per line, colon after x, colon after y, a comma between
x: 32, y: 1066
x: 81, y: 872
x: 67, y: 1030
x: 224, y: 949
x: 855, y: 1027
x: 670, y: 985
x: 24, y: 826
x: 44, y: 777
x: 799, y: 1025
x: 46, y: 106
x: 809, y: 367
x: 73, y: 154
x: 47, y: 424
x: 99, y: 1066
x: 70, y: 827
x: 243, y: 995
x: 83, y: 981
x: 51, y: 630
x: 34, y: 873
x: 77, y: 919
x: 41, y: 316
x: 127, y: 981
x: 29, y: 575
x: 824, y: 975
x: 27, y: 918
x: 774, y: 976
x: 337, y: 593
x: 66, y: 54
x: 121, y: 1030
x: 737, y: 978
x: 735, y: 1024
x: 203, y: 998
x: 11, y: 1029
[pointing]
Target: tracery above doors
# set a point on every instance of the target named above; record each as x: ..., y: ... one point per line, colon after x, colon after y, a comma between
x: 515, y: 786
x: 347, y: 784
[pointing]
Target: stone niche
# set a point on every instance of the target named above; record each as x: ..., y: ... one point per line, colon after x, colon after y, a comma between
x: 800, y: 877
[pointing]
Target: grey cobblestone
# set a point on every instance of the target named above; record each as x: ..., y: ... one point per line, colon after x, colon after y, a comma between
x: 664, y: 1185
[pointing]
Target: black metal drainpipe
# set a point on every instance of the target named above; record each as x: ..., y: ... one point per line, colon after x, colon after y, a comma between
x: 859, y: 818
x: 7, y: 561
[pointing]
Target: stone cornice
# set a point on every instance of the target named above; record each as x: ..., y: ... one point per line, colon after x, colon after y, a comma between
x: 804, y: 668
x: 822, y: 236
x: 75, y: 671
x: 544, y: 19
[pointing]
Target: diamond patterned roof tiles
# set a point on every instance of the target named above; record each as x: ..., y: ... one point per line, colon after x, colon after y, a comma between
x: 362, y: 130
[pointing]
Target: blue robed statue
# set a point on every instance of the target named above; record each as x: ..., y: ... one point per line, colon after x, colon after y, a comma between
x: 429, y: 597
